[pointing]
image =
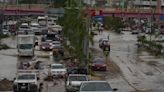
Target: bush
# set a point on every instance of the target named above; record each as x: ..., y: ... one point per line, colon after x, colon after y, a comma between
x: 3, y: 36
x: 3, y: 46
x: 150, y: 44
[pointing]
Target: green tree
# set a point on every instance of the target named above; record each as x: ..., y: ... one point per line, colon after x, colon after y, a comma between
x: 28, y: 1
x: 113, y: 23
x: 75, y: 31
x: 59, y: 3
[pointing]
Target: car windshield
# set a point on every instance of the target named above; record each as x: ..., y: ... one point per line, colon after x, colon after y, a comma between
x: 56, y: 44
x: 99, y: 61
x: 45, y: 43
x: 26, y: 76
x: 96, y: 86
x: 24, y: 26
x: 36, y: 26
x: 26, y: 46
x: 57, y: 66
x: 77, y: 78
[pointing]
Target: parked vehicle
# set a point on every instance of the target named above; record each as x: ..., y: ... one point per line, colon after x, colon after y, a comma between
x: 104, y: 44
x: 74, y: 81
x: 5, y: 31
x: 96, y: 86
x: 58, y: 70
x: 46, y: 46
x: 24, y: 26
x: 27, y: 82
x: 73, y: 69
x: 56, y: 44
x: 98, y: 64
x: 135, y: 31
x: 25, y: 44
x: 9, y: 26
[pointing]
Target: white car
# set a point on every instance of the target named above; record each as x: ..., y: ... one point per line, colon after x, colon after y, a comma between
x: 56, y: 44
x: 96, y: 86
x: 35, y: 27
x: 5, y: 32
x: 58, y: 70
x: 74, y: 81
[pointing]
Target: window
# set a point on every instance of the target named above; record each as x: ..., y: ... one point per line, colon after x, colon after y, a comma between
x: 26, y: 46
x: 23, y: 77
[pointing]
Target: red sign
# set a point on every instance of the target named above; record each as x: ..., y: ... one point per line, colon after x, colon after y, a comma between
x: 96, y: 13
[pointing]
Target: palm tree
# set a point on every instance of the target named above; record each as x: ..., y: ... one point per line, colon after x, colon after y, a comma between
x: 75, y: 31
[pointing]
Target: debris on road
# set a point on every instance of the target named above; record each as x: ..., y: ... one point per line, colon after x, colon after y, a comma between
x: 5, y: 85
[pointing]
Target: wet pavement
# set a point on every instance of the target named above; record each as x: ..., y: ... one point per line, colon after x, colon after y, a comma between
x: 139, y: 71
x: 8, y: 66
x: 136, y: 74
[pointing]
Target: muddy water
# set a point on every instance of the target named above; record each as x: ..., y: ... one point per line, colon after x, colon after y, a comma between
x: 8, y: 66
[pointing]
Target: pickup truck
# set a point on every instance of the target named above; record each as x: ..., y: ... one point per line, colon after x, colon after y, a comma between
x: 27, y: 82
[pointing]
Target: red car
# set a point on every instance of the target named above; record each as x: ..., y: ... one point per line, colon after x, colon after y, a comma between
x: 99, y: 64
x: 46, y: 46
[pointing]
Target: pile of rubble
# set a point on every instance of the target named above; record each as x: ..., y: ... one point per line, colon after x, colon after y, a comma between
x: 5, y: 85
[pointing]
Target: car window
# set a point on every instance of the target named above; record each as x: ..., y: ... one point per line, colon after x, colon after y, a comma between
x: 22, y: 77
x: 77, y: 78
x: 96, y: 86
x: 57, y: 66
x: 100, y: 61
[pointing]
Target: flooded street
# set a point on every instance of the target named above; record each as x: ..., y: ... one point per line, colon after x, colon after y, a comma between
x: 8, y: 66
x: 129, y: 70
x: 136, y: 74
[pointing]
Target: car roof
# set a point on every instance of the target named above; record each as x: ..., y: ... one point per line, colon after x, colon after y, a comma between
x: 56, y: 64
x: 94, y: 81
x: 27, y: 73
x: 34, y: 23
x: 24, y: 24
x: 77, y: 75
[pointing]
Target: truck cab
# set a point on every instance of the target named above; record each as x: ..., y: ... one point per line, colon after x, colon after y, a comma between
x: 27, y: 82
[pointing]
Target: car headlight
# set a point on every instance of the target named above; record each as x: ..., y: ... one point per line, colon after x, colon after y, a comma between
x: 51, y: 47
x: 43, y: 47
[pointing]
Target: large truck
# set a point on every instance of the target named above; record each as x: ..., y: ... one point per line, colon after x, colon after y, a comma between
x: 25, y: 44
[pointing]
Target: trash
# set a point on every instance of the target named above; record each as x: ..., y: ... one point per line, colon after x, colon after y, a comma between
x: 6, y: 85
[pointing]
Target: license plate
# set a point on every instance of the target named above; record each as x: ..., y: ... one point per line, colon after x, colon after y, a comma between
x: 23, y: 87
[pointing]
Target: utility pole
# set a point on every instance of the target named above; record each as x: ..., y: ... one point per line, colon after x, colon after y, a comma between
x: 151, y: 19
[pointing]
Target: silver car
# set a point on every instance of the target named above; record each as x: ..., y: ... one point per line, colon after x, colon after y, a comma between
x: 96, y: 86
x: 74, y: 81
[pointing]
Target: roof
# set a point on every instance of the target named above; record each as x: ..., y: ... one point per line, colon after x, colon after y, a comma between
x: 94, y: 81
x: 77, y: 75
x: 24, y: 24
x: 42, y: 17
x: 56, y: 64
